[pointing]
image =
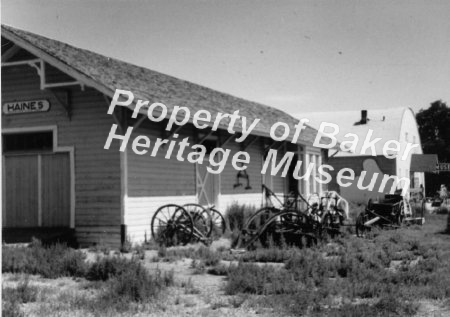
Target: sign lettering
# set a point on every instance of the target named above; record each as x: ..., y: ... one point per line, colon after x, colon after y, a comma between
x: 443, y: 167
x: 25, y: 106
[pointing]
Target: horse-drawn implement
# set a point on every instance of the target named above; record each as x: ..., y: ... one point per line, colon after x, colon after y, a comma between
x: 391, y: 212
x: 294, y: 219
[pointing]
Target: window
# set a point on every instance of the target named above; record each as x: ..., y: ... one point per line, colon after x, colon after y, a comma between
x: 21, y: 142
x: 406, y: 136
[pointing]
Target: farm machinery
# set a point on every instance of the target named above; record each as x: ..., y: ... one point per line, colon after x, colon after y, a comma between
x: 391, y: 212
x: 294, y: 218
x: 178, y: 225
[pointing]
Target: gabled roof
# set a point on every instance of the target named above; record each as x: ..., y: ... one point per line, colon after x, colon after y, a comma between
x: 385, y: 123
x: 108, y: 74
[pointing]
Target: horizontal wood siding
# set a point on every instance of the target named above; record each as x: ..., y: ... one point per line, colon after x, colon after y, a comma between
x: 157, y: 176
x: 156, y: 181
x: 100, y: 235
x: 229, y: 175
x: 140, y: 211
x: 97, y: 171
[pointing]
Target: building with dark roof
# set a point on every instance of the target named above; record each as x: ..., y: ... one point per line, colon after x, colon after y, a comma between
x: 57, y: 173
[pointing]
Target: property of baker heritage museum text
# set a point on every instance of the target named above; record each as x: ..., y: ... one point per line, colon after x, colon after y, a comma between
x: 279, y: 131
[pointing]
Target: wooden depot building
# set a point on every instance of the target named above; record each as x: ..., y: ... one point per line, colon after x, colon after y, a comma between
x: 57, y: 174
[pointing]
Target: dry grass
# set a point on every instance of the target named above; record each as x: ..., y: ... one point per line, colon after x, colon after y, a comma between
x: 395, y: 272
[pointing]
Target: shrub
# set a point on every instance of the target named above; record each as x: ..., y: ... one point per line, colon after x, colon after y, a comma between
x: 136, y: 284
x: 51, y: 262
x: 189, y: 287
x: 253, y: 279
x: 107, y: 267
x: 236, y: 215
x: 208, y: 256
x: 271, y: 254
x: 198, y: 266
x: 23, y: 293
x: 11, y: 309
x: 219, y: 269
x: 126, y: 245
x: 385, y: 306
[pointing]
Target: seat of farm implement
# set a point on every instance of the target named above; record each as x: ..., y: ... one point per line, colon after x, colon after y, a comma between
x: 45, y: 235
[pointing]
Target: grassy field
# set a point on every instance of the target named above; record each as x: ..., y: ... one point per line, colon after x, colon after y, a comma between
x: 404, y: 272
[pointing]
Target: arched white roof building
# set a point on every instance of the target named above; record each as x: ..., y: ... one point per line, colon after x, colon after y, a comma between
x: 397, y: 124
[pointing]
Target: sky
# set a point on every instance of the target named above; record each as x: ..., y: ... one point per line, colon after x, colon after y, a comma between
x: 298, y: 56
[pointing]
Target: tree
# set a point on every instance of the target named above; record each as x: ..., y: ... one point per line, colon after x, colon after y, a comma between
x: 434, y: 130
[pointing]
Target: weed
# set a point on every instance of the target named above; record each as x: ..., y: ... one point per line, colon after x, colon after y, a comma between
x: 209, y: 257
x: 12, y: 297
x: 219, y: 269
x: 162, y: 251
x: 11, y: 309
x: 126, y: 245
x: 100, y: 248
x: 23, y: 293
x: 236, y: 215
x: 139, y: 252
x: 254, y: 279
x: 136, y: 284
x: 51, y: 262
x: 189, y: 287
x: 107, y: 267
x: 237, y: 301
x: 198, y: 266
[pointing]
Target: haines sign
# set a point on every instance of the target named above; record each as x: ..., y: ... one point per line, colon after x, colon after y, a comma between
x: 16, y: 107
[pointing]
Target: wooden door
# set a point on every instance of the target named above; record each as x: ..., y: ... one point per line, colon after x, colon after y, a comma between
x: 36, y: 190
x: 20, y: 191
x: 207, y: 185
x: 55, y: 190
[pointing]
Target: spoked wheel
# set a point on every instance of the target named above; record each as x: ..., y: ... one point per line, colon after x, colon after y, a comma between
x: 361, y: 229
x: 295, y: 228
x: 202, y: 222
x: 218, y: 224
x: 252, y: 227
x: 172, y: 225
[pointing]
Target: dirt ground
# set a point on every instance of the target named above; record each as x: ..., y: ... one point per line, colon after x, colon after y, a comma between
x: 193, y: 294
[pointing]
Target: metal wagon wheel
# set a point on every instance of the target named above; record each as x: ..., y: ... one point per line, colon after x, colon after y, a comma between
x: 291, y: 226
x: 218, y: 223
x: 202, y: 221
x: 255, y: 222
x: 172, y: 225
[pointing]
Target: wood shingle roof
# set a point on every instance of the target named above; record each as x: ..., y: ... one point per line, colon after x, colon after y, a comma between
x: 108, y: 74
